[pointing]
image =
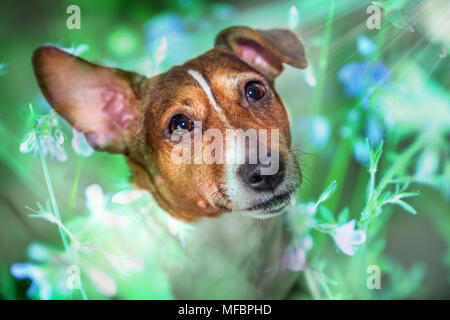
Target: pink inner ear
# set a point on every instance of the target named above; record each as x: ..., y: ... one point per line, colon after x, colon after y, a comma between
x: 116, y: 107
x: 254, y: 55
x: 108, y: 117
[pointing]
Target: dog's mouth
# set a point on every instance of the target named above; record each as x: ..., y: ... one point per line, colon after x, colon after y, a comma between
x: 260, y: 205
x: 267, y: 208
x: 274, y: 204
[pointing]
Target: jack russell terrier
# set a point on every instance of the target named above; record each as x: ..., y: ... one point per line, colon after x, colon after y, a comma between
x: 230, y: 87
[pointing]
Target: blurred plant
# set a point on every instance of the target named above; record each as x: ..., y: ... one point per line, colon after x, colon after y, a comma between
x: 342, y: 230
x: 80, y: 145
x: 167, y: 40
x: 360, y: 79
x: 3, y: 67
x: 40, y: 287
x: 377, y: 196
x: 48, y: 136
x: 123, y: 41
x: 293, y: 20
x: 75, y: 49
x: 390, y: 102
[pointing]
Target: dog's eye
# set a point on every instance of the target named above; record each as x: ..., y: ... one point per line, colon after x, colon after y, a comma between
x: 180, y: 122
x: 254, y: 90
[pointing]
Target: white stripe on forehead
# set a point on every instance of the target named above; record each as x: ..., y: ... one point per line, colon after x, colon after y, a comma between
x: 202, y: 82
x: 207, y: 89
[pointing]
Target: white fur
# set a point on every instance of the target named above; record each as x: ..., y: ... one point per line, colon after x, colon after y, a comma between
x: 207, y: 89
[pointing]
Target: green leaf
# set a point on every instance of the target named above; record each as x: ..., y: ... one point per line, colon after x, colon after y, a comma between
x: 343, y: 216
x: 378, y: 4
x: 406, y: 195
x: 391, y: 5
x: 374, y: 155
x: 319, y: 223
x: 406, y: 206
x: 328, y: 192
x: 326, y: 214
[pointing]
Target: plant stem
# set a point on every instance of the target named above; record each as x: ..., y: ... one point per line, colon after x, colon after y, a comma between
x: 339, y: 170
x: 312, y: 286
x: 398, y: 165
x: 323, y: 62
x: 316, y: 103
x: 73, y: 193
x: 48, y: 181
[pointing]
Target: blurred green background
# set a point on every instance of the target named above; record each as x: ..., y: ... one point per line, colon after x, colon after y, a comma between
x: 390, y: 84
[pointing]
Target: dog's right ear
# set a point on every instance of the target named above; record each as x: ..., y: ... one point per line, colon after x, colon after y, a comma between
x: 101, y: 102
x: 265, y: 50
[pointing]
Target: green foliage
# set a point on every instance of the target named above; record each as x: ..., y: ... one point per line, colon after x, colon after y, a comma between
x: 375, y: 122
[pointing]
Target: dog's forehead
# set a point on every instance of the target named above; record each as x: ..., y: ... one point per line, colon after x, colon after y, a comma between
x: 209, y: 66
x: 206, y: 73
x: 209, y: 88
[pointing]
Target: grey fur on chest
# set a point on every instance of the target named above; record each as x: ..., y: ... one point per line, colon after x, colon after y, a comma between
x: 233, y: 257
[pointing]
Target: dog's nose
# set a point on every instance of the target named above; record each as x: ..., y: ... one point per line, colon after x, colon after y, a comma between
x: 251, y: 174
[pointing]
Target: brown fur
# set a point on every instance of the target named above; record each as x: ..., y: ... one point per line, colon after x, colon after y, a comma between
x: 122, y: 112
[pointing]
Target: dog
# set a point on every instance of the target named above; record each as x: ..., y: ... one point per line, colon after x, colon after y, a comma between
x: 229, y: 87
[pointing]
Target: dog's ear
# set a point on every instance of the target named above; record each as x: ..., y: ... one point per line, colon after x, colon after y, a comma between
x: 101, y: 102
x: 264, y: 50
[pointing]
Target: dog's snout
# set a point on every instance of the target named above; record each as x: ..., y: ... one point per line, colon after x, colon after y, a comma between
x: 255, y: 177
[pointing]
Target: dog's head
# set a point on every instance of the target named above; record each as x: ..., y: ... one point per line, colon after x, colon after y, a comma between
x: 225, y: 95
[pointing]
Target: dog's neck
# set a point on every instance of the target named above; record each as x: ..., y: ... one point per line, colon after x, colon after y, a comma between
x: 233, y: 256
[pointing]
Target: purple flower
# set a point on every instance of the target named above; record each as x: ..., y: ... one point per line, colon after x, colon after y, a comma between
x: 347, y: 238
x: 80, y: 145
x: 294, y: 260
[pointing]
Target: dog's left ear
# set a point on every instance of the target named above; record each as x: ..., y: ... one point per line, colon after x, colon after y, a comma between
x: 264, y: 50
x: 103, y: 103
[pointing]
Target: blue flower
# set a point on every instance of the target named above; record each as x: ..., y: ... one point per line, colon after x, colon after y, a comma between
x: 39, y: 284
x: 360, y: 151
x: 360, y: 79
x: 3, y: 68
x: 316, y: 129
x: 320, y: 131
x: 374, y: 130
x: 365, y: 46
